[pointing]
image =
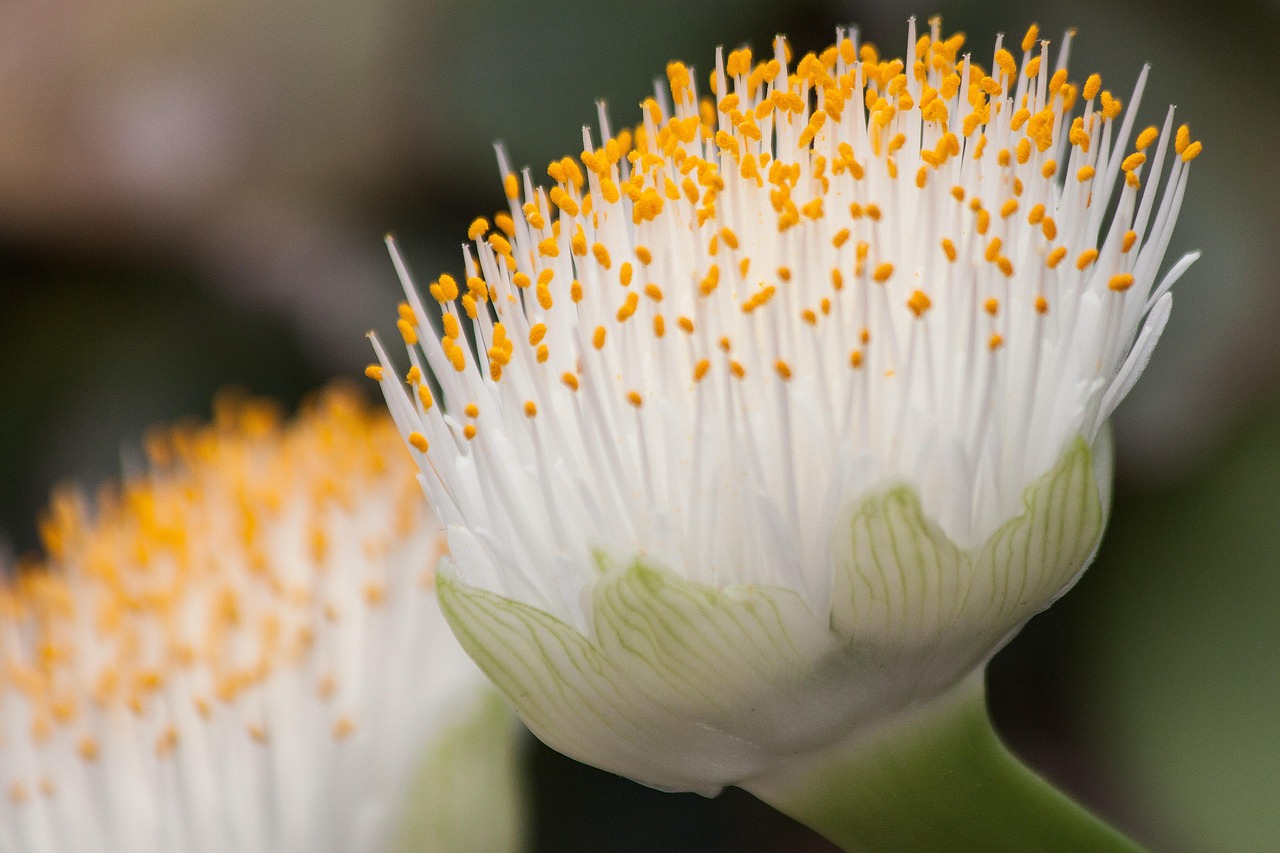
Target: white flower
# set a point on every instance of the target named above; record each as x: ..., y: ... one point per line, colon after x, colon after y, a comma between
x: 240, y: 650
x: 788, y: 409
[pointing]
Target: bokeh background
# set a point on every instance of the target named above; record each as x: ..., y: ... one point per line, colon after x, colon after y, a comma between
x: 193, y: 195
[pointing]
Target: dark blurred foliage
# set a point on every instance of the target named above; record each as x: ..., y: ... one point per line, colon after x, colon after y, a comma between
x: 193, y: 197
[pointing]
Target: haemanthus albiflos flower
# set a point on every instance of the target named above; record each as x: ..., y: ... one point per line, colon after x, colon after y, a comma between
x: 240, y: 649
x: 779, y: 413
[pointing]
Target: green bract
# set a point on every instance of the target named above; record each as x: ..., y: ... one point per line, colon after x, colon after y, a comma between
x: 683, y: 686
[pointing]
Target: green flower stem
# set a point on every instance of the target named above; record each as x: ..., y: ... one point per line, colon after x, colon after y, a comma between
x: 936, y: 779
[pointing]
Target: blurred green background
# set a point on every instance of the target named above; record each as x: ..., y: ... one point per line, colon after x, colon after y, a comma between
x: 193, y: 195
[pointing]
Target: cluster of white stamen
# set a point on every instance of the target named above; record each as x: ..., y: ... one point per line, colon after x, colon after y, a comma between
x: 240, y: 650
x: 745, y: 314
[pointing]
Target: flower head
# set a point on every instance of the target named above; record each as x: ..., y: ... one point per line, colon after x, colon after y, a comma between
x: 782, y: 411
x: 239, y: 649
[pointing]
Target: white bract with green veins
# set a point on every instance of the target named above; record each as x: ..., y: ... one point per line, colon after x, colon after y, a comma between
x: 777, y: 415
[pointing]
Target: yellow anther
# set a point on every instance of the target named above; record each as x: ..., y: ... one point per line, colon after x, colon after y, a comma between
x: 575, y: 291
x: 374, y: 372
x: 1147, y: 137
x: 1111, y: 107
x: 1055, y: 257
x: 1133, y: 161
x: 414, y: 375
x: 659, y: 326
x: 1049, y: 168
x: 1005, y: 266
x: 537, y: 333
x: 1120, y: 282
x: 407, y: 332
x: 882, y: 272
x: 424, y: 397
x: 957, y: 192
x: 1029, y: 40
x: 1042, y: 305
x: 949, y: 248
x: 685, y: 324
x: 984, y: 220
x: 479, y: 226
x: 1130, y: 237
x: 841, y: 237
x: 624, y: 274
x: 737, y: 369
x: 919, y: 303
x: 1192, y: 151
x: 700, y: 370
x: 628, y: 307
x: 1049, y: 227
x: 1182, y: 139
x: 1087, y: 257
x: 597, y: 339
x: 469, y: 431
x: 1033, y: 67
x: 542, y: 354
x: 472, y: 410
x: 782, y: 369
x: 855, y: 359
x: 601, y: 255
x: 634, y: 398
x: 993, y: 249
x: 730, y: 239
x: 654, y: 292
x: 644, y: 255
x: 511, y: 184
x: 570, y: 381
x: 1009, y: 208
x: 452, y: 328
x: 1004, y: 61
x: 995, y: 342
x: 991, y: 306
x: 530, y: 409
x: 1091, y: 87
x: 505, y: 224
x: 837, y: 280
x: 419, y: 442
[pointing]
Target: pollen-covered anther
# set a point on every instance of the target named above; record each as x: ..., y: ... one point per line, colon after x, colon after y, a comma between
x: 919, y: 303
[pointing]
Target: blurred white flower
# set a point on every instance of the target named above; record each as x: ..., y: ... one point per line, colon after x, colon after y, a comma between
x: 790, y: 408
x: 240, y: 649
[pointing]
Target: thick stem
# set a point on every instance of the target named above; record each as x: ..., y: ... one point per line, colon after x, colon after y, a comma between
x: 936, y: 779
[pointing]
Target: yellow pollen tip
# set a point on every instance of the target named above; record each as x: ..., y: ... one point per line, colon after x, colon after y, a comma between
x: 883, y: 272
x: 511, y: 185
x: 1042, y: 305
x: 570, y: 381
x: 597, y: 339
x: 1029, y: 40
x: 919, y: 303
x: 737, y: 369
x: 479, y: 226
x: 995, y: 342
x: 1192, y: 151
x: 374, y: 372
x: 469, y: 431
x: 700, y: 370
x: 1120, y: 282
x: 471, y: 410
x: 634, y: 398
x: 419, y: 442
x: 1087, y: 257
x: 782, y: 369
x: 530, y: 408
x: 991, y: 306
x: 407, y: 332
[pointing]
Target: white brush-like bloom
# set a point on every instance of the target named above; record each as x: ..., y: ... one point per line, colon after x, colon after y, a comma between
x: 784, y: 410
x: 240, y: 650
